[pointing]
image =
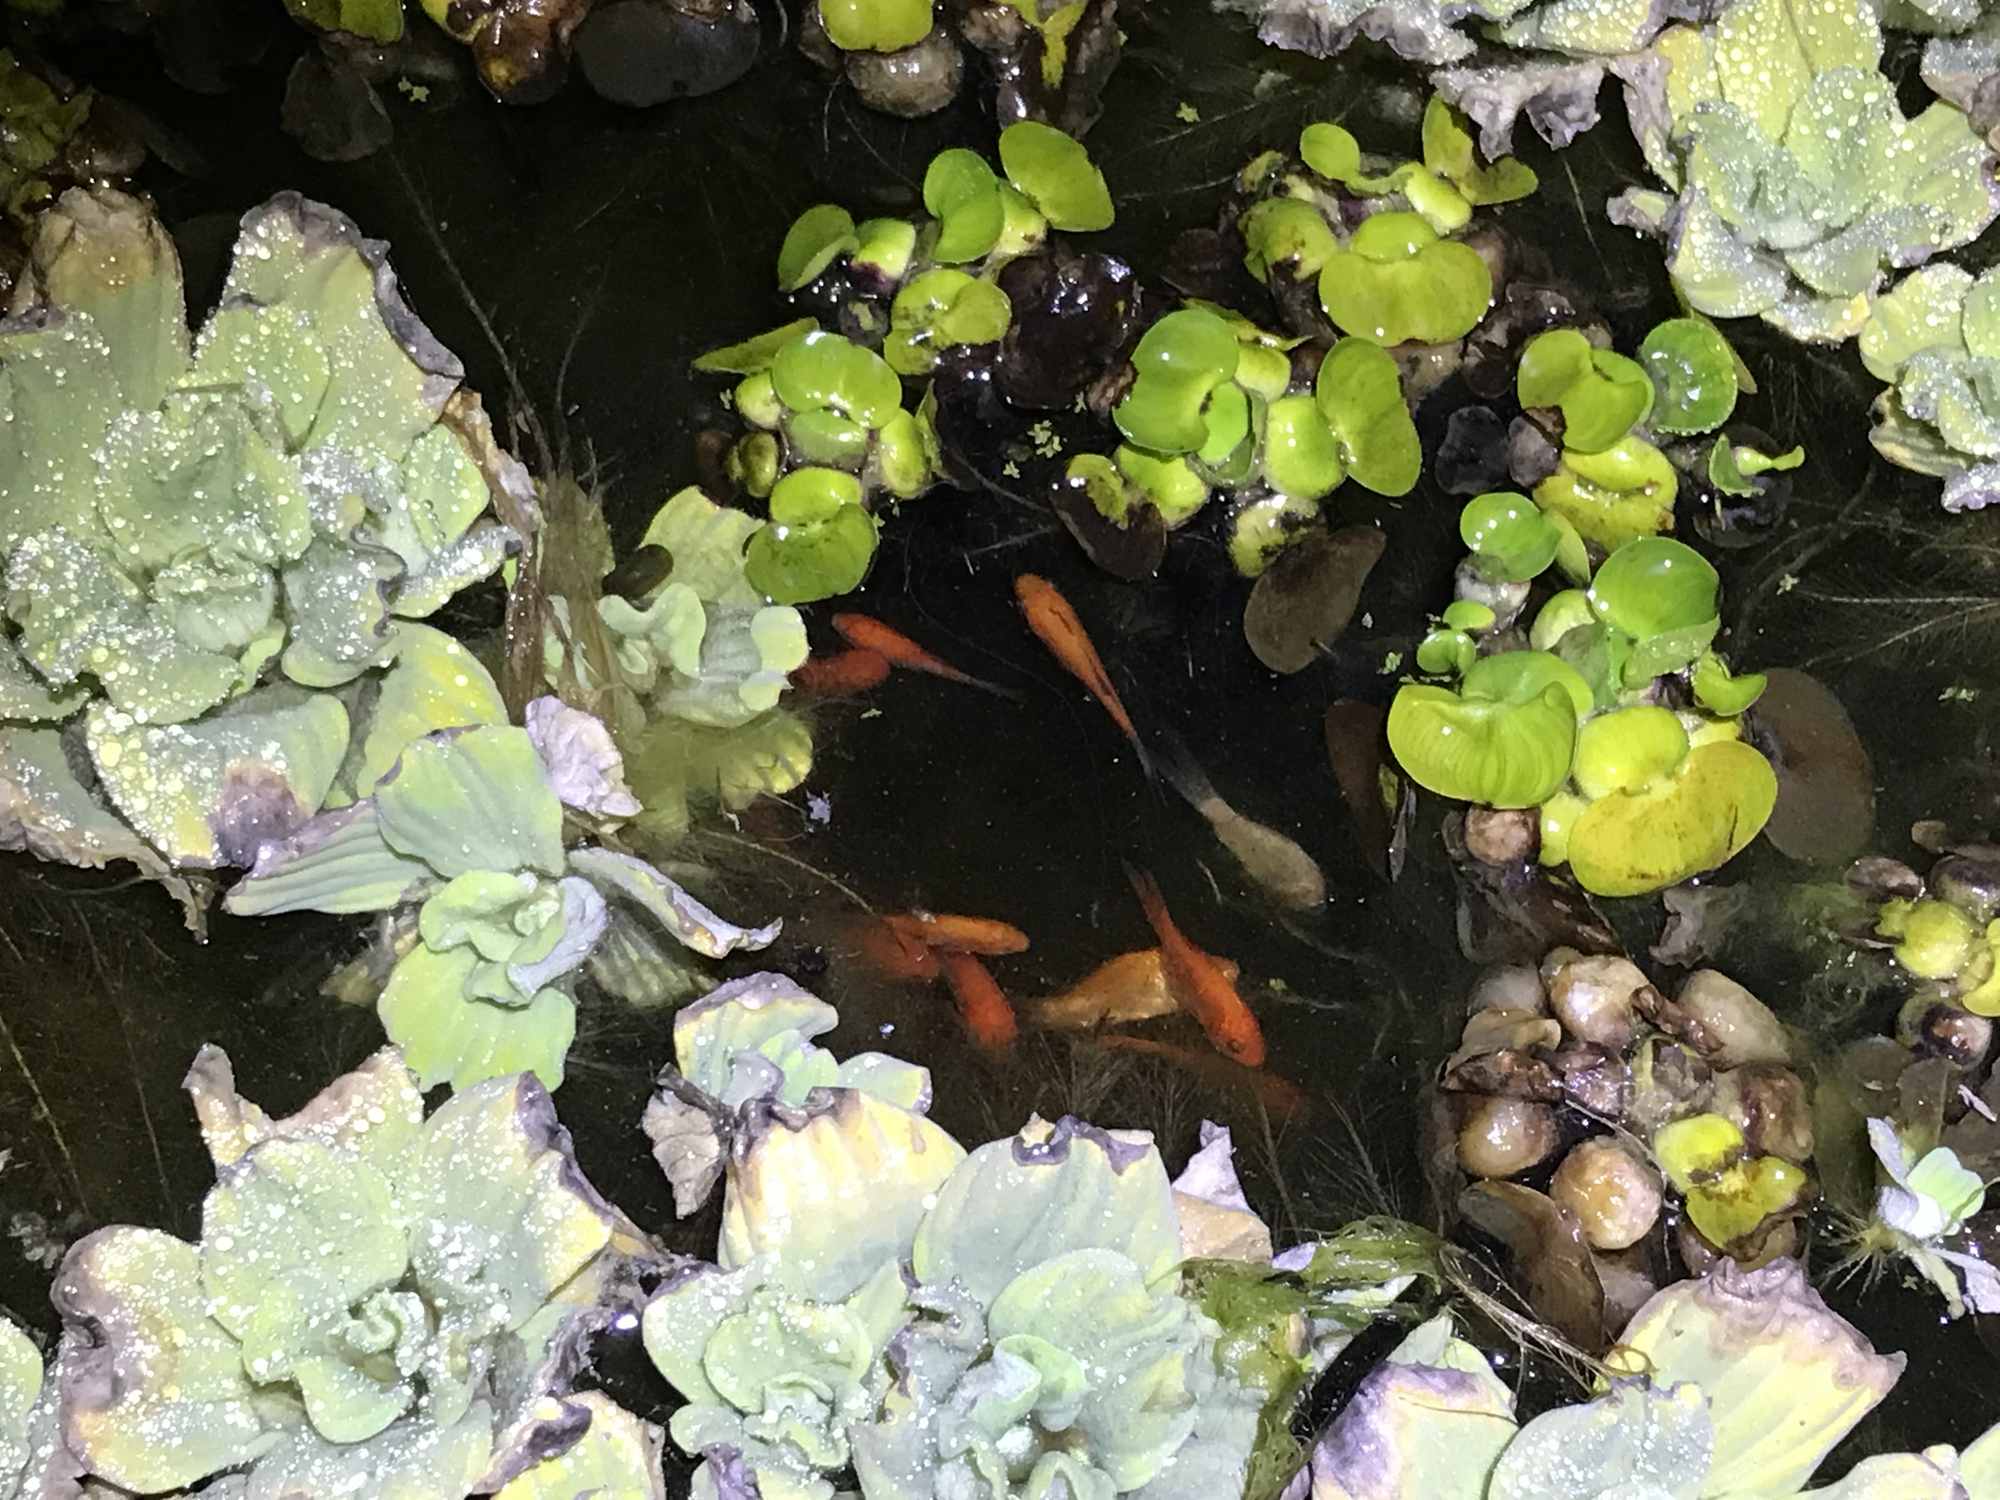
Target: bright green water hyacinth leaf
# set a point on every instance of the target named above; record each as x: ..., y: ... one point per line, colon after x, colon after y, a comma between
x: 818, y: 542
x: 1468, y: 614
x: 963, y: 194
x: 1301, y: 454
x: 379, y: 21
x: 817, y: 236
x: 1360, y: 393
x: 1654, y: 586
x: 1611, y: 497
x: 1698, y: 819
x: 824, y: 436
x: 1395, y: 282
x: 1015, y: 1204
x: 875, y: 25
x: 754, y: 355
x: 1285, y: 233
x: 1448, y: 151
x: 1509, y: 535
x: 1171, y: 484
x: 1550, y: 364
x: 826, y: 370
x: 1564, y: 612
x: 1694, y: 375
x: 477, y: 799
x: 1934, y: 939
x: 1179, y: 360
x: 1602, y: 395
x: 1331, y: 151
x: 907, y: 458
x: 938, y: 309
x: 1518, y: 676
x: 1483, y: 750
x: 1722, y: 692
x: 1057, y: 175
x: 887, y: 247
x: 1628, y: 750
x: 1226, y: 414
x: 1445, y: 652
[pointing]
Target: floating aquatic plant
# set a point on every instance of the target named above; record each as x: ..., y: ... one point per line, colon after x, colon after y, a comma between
x: 215, y: 549
x: 377, y: 1301
x: 1795, y: 182
x: 1935, y: 341
x: 468, y: 828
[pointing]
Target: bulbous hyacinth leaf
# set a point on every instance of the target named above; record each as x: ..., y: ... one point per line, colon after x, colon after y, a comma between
x: 1602, y: 395
x: 1285, y: 233
x: 1331, y: 151
x: 819, y: 541
x: 963, y: 194
x: 1523, y: 676
x: 1448, y: 151
x: 1786, y: 1377
x: 1482, y: 750
x: 1637, y: 1440
x: 938, y: 309
x: 1550, y: 364
x: 1057, y: 175
x: 1171, y: 485
x: 1628, y: 750
x: 434, y: 684
x: 754, y: 355
x: 1610, y: 497
x: 1018, y: 1202
x: 1395, y: 282
x: 1301, y: 454
x: 1722, y: 692
x: 208, y: 793
x: 1360, y: 394
x: 826, y: 370
x: 832, y: 1198
x: 1179, y: 361
x: 875, y: 25
x: 450, y: 1035
x: 1446, y: 652
x: 473, y: 799
x: 1693, y: 371
x: 823, y: 436
x: 816, y: 237
x: 1654, y: 586
x: 1697, y: 820
x: 160, y: 1398
x: 1508, y: 533
x: 617, y: 1457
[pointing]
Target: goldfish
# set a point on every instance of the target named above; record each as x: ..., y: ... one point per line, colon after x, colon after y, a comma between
x: 1130, y: 987
x: 1198, y: 982
x: 981, y: 1005
x: 841, y: 674
x: 1282, y: 1099
x: 898, y: 650
x: 1056, y: 624
x: 891, y: 954
x: 1275, y: 862
x: 955, y: 934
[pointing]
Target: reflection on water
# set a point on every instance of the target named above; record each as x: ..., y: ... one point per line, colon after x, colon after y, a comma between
x: 608, y: 249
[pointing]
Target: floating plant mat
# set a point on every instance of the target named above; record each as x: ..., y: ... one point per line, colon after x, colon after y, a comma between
x: 607, y: 252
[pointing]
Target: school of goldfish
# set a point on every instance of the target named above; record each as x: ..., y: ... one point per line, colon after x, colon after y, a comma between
x: 1176, y: 976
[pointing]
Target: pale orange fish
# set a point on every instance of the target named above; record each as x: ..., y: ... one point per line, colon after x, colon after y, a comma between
x: 891, y: 954
x: 1284, y: 1100
x: 897, y: 649
x: 841, y: 674
x: 950, y: 933
x: 1130, y: 987
x: 1199, y: 983
x: 1056, y: 624
x: 988, y: 1018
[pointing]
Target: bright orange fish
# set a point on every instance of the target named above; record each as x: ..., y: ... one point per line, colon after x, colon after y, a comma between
x: 1284, y: 1100
x: 898, y: 650
x: 841, y: 674
x: 985, y: 1011
x: 1055, y: 622
x: 1130, y: 987
x: 1198, y: 982
x: 954, y: 934
x: 891, y: 954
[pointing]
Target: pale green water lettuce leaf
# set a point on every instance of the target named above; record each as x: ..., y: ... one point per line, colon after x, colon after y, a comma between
x: 474, y: 800
x: 1639, y: 1440
x: 450, y: 1035
x: 339, y: 863
x: 1046, y: 1191
x: 20, y: 1389
x: 617, y: 1457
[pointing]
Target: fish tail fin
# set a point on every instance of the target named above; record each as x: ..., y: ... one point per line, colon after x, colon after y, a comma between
x: 1176, y: 765
x: 1147, y: 889
x: 998, y: 690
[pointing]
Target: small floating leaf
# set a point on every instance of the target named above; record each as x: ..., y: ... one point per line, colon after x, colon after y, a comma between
x: 1331, y: 151
x: 826, y: 370
x: 1696, y: 820
x: 1361, y: 394
x: 1654, y: 586
x: 1508, y: 533
x: 1395, y: 281
x: 1057, y: 174
x: 753, y: 354
x: 818, y: 235
x: 819, y: 540
x: 1628, y: 750
x: 1179, y: 360
x: 875, y: 25
x: 1484, y: 750
x: 1693, y: 374
x: 963, y: 194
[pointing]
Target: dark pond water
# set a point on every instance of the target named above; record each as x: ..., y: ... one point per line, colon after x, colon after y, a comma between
x: 605, y: 249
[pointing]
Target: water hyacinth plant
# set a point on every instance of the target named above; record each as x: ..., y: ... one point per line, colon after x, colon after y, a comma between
x: 215, y: 550
x: 469, y: 830
x: 1009, y: 1322
x: 377, y: 1303
x: 1796, y: 185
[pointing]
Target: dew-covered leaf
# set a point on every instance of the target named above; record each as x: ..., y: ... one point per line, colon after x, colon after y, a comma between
x: 617, y: 1457
x: 450, y: 1035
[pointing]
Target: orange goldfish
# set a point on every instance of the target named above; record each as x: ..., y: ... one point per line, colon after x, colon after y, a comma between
x: 841, y: 674
x: 898, y: 650
x: 1284, y: 1100
x: 955, y: 934
x: 1053, y: 620
x: 1130, y: 987
x: 1198, y: 982
x: 981, y: 1006
x: 891, y: 954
